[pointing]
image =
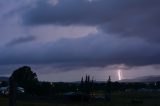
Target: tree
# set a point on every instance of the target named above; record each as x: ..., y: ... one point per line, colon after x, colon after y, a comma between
x: 26, y: 78
x: 86, y: 85
x: 108, y: 90
x: 24, y: 74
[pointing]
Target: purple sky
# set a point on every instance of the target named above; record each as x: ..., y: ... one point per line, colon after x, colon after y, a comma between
x: 63, y: 40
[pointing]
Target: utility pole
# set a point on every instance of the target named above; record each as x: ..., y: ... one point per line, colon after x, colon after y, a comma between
x: 12, y: 91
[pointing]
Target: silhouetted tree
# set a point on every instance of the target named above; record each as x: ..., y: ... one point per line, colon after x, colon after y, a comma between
x: 26, y: 78
x: 82, y: 81
x: 108, y: 89
x: 87, y: 85
x: 82, y: 85
x: 92, y: 86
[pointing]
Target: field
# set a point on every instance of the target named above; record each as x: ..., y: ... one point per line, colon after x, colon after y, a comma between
x: 118, y: 99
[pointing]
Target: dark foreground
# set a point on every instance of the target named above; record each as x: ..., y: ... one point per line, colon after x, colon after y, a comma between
x: 118, y: 99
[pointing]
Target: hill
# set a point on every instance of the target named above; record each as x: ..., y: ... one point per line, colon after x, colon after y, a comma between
x: 152, y: 78
x: 4, y: 78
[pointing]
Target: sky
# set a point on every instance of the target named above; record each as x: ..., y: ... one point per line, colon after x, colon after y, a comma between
x: 63, y: 40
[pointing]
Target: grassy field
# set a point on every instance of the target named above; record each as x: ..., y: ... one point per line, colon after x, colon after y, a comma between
x: 118, y: 99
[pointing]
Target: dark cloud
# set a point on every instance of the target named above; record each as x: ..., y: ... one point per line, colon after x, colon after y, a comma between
x: 126, y: 38
x: 139, y: 20
x: 66, y: 13
x: 95, y: 50
x: 21, y: 40
x: 125, y: 18
x: 124, y: 29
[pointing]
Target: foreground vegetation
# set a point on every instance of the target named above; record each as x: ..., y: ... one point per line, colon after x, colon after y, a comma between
x: 118, y: 99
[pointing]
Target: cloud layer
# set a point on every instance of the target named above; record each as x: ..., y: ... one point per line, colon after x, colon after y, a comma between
x: 125, y: 18
x: 88, y: 51
x: 79, y: 34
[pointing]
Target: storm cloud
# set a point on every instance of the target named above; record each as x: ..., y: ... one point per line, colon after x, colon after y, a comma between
x: 95, y: 50
x: 126, y: 18
x: 77, y: 35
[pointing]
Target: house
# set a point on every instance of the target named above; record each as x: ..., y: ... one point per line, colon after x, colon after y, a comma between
x: 5, y: 90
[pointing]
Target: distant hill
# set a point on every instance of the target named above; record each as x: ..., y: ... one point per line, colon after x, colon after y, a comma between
x: 4, y: 78
x: 152, y: 78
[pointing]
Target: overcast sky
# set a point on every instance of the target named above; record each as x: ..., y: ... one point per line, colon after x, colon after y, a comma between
x: 63, y: 40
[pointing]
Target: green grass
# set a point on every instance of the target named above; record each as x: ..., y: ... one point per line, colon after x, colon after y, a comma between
x: 118, y: 99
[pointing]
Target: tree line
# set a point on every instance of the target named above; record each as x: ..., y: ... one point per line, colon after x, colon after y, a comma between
x: 26, y: 78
